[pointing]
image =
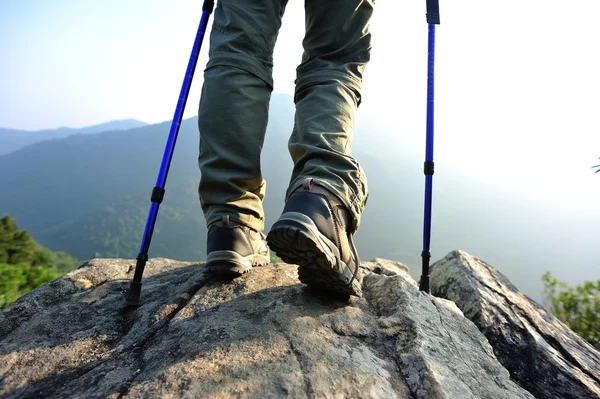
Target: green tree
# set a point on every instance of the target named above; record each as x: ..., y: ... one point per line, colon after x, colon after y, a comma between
x: 578, y: 307
x: 25, y: 264
x: 17, y: 280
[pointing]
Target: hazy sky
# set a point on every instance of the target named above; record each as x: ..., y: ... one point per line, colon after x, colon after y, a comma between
x: 517, y: 83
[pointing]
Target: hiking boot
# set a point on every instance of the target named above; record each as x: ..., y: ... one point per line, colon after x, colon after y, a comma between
x: 232, y: 249
x: 313, y: 232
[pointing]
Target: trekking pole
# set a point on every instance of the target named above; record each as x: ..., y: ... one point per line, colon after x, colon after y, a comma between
x: 133, y: 296
x: 433, y: 18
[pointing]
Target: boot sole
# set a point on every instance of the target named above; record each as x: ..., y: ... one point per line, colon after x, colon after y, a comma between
x: 230, y: 264
x: 296, y: 239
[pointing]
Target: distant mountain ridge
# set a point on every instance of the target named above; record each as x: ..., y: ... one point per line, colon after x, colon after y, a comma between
x: 89, y: 194
x: 15, y: 139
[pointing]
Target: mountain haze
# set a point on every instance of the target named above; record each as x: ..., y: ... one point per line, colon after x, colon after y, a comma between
x: 89, y: 195
x: 12, y: 139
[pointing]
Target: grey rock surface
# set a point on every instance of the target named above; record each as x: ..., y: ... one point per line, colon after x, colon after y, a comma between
x: 263, y: 335
x: 542, y: 354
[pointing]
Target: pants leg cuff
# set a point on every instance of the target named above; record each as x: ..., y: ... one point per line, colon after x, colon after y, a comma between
x: 215, y: 215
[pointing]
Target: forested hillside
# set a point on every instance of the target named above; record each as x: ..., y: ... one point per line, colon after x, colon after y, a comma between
x: 89, y: 195
x: 25, y: 264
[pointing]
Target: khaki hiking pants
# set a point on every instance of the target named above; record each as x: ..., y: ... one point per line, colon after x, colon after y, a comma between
x: 234, y: 104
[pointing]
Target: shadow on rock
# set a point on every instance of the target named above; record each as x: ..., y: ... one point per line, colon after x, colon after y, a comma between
x: 76, y: 337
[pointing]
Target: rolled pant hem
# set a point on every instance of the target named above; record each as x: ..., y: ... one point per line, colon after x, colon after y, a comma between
x: 323, y: 75
x: 215, y: 215
x: 241, y: 61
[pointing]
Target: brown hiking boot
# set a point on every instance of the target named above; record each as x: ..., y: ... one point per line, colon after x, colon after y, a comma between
x: 313, y: 232
x: 233, y: 249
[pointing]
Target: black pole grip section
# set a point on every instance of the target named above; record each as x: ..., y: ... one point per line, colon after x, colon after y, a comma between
x: 208, y: 5
x: 424, y: 284
x: 433, y: 12
x: 428, y: 167
x: 157, y: 194
x: 139, y: 267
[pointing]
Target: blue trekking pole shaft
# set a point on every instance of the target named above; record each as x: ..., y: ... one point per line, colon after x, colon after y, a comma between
x: 433, y: 18
x: 133, y: 296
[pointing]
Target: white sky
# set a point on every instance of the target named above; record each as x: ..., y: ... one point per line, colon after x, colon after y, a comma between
x: 517, y: 83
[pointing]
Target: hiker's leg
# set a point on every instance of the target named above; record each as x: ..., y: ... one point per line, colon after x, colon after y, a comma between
x: 337, y: 47
x: 233, y: 111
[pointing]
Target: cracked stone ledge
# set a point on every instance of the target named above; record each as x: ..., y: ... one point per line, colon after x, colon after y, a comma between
x: 263, y: 334
x: 540, y: 352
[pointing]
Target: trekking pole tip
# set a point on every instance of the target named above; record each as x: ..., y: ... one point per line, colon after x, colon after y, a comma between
x: 424, y: 284
x: 133, y: 296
